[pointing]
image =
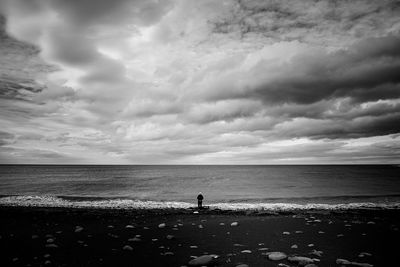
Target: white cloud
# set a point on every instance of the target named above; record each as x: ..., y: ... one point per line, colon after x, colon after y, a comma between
x: 199, y: 81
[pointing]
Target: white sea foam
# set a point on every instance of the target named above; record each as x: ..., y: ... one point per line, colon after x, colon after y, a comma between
x: 52, y: 201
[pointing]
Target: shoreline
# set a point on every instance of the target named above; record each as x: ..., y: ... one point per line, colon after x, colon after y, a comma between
x: 37, y: 236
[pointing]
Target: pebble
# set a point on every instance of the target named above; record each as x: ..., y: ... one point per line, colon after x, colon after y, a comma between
x: 263, y: 249
x: 51, y: 246
x: 242, y: 265
x: 261, y: 244
x: 352, y: 263
x: 146, y: 228
x: 238, y: 245
x: 154, y: 239
x: 135, y: 239
x: 129, y: 226
x: 370, y: 222
x: 234, y: 224
x: 202, y: 260
x: 50, y: 240
x: 283, y: 265
x: 222, y: 224
x: 200, y: 226
x: 317, y: 253
x: 168, y: 253
x: 300, y: 260
x: 169, y: 237
x: 193, y: 246
x: 363, y: 254
x: 47, y: 262
x: 195, y: 212
x: 246, y: 251
x: 276, y: 256
x: 294, y: 246
x: 161, y: 225
x: 127, y: 247
x: 310, y: 245
x: 321, y: 232
x: 311, y: 265
x: 46, y: 255
x: 286, y: 233
x: 299, y: 232
x: 340, y: 235
x: 78, y: 229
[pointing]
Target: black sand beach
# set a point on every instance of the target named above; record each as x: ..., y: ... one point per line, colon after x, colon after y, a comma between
x: 96, y: 237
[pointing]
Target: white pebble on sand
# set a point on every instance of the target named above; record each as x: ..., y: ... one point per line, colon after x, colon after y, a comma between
x: 234, y: 224
x: 170, y: 237
x: 135, y: 239
x: 294, y: 246
x: 129, y: 226
x: 299, y: 232
x: 321, y: 232
x: 310, y: 245
x: 300, y: 260
x: 161, y: 225
x: 317, y: 253
x: 222, y: 224
x: 263, y: 249
x: 246, y: 251
x: 202, y: 260
x: 127, y: 247
x: 154, y: 239
x: 50, y: 240
x: 168, y: 253
x: 286, y: 233
x: 78, y: 229
x: 193, y: 246
x: 276, y: 256
x: 363, y: 254
x: 200, y: 226
x: 51, y: 246
x: 370, y: 222
x: 242, y: 265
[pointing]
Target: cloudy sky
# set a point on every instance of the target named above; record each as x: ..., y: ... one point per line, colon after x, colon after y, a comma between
x: 199, y: 82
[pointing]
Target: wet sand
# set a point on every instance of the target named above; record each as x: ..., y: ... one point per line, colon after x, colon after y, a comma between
x: 95, y: 237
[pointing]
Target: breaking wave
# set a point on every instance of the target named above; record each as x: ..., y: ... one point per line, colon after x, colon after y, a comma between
x: 101, y: 203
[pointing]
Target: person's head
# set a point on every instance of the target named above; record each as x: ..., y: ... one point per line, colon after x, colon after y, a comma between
x: 200, y: 193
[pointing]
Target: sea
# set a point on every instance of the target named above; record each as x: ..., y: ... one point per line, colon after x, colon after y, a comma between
x: 254, y: 187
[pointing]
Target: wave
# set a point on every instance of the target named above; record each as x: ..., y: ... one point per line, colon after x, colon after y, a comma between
x: 100, y: 203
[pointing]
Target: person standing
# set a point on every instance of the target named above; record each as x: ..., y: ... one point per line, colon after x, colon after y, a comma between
x: 200, y: 201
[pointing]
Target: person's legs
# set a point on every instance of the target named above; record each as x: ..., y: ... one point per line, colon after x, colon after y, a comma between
x: 199, y: 204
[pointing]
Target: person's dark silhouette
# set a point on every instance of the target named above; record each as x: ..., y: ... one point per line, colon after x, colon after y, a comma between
x: 200, y: 201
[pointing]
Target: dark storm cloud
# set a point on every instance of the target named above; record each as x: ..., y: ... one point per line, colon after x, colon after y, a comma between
x: 366, y: 71
x: 287, y: 20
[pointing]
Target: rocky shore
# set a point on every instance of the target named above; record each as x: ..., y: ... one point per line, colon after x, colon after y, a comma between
x: 188, y: 237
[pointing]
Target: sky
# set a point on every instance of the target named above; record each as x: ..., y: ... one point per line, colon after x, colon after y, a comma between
x: 199, y: 82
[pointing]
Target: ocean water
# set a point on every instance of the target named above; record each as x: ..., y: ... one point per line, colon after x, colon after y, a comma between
x: 227, y: 187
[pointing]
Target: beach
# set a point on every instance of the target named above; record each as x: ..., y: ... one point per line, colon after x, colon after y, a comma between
x: 54, y: 236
